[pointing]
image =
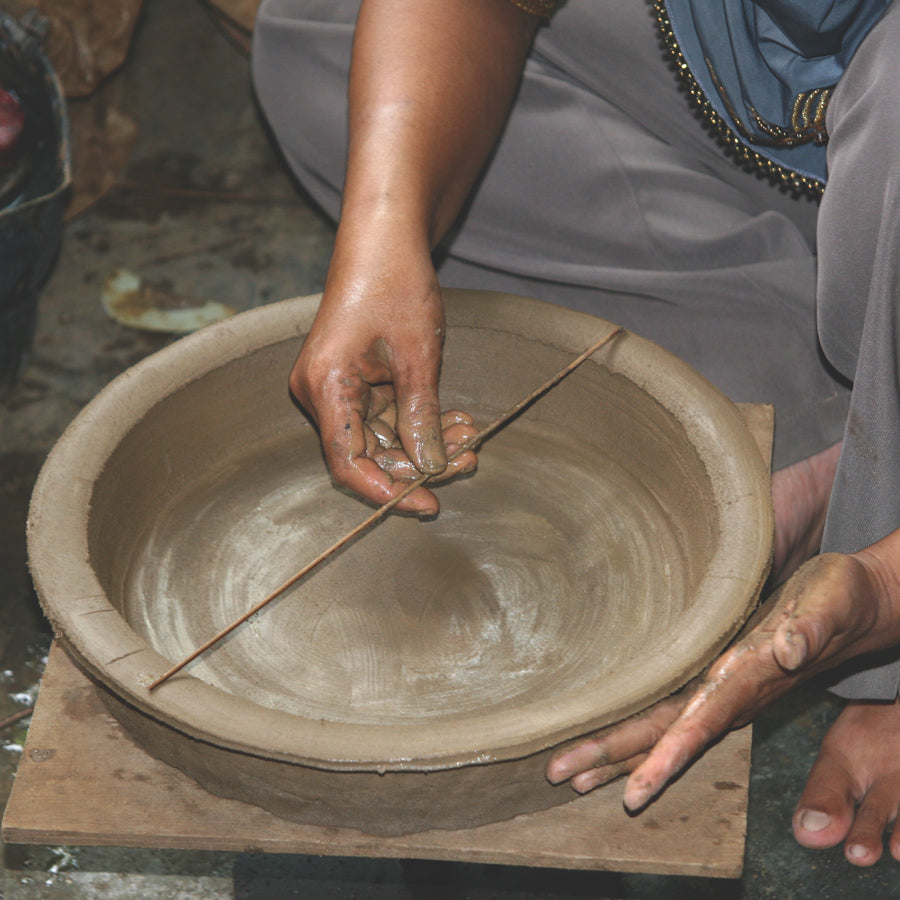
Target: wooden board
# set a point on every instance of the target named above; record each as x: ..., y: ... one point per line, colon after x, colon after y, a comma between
x: 82, y: 781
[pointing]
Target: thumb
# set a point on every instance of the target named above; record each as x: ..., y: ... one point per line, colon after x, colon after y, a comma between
x: 819, y: 608
x: 419, y: 413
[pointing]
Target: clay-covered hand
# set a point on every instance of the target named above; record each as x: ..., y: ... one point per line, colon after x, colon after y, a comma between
x: 370, y: 363
x: 383, y: 444
x: 836, y: 607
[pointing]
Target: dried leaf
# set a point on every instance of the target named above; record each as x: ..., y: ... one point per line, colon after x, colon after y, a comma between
x: 86, y: 40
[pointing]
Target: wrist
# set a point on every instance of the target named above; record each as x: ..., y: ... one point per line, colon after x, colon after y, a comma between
x: 881, y: 561
x: 380, y: 235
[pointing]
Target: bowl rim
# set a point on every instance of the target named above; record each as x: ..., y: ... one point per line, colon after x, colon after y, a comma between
x: 113, y: 654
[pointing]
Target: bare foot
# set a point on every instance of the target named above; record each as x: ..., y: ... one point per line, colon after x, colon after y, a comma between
x: 800, y: 495
x: 853, y: 791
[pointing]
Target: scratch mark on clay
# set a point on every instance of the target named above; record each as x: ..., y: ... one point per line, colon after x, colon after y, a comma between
x: 125, y: 656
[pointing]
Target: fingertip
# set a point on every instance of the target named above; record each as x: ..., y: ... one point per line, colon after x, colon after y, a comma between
x: 463, y: 464
x: 427, y: 454
x: 638, y: 793
x: 421, y: 503
x: 432, y: 464
x: 455, y: 417
x: 799, y: 642
x: 555, y: 772
x: 562, y: 770
x: 419, y: 430
x: 586, y: 782
x: 635, y: 801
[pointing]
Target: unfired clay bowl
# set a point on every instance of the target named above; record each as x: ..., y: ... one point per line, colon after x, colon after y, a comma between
x: 613, y: 540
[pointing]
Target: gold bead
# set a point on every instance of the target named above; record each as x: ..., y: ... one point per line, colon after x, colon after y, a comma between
x: 542, y: 8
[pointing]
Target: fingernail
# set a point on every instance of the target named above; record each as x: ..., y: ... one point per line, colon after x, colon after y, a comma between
x: 636, y: 798
x: 797, y: 651
x: 584, y: 785
x: 558, y: 776
x: 813, y: 820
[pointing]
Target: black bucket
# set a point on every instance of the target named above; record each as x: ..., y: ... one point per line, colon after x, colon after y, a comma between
x: 32, y: 198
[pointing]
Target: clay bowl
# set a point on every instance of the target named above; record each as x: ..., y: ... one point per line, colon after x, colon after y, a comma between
x: 613, y: 540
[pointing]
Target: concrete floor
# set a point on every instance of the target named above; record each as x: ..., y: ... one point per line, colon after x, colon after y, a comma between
x: 251, y: 238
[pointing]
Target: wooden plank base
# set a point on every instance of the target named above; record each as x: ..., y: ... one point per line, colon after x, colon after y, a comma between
x: 83, y: 782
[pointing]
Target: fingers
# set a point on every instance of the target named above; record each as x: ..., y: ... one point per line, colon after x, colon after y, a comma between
x: 595, y: 778
x: 360, y: 427
x: 743, y: 680
x: 699, y: 724
x: 822, y: 616
x: 864, y: 844
x: 352, y: 457
x: 384, y: 447
x: 373, y: 463
x: 599, y: 758
x: 816, y: 620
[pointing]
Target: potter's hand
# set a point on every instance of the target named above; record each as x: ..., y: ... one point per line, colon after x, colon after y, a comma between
x: 421, y: 128
x: 836, y: 607
x: 368, y: 372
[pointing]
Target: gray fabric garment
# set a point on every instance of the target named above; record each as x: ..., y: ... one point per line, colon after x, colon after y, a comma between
x: 859, y: 277
x: 605, y: 194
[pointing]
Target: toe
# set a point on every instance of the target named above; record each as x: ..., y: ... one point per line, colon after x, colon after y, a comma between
x: 824, y: 814
x: 878, y: 809
x: 894, y: 842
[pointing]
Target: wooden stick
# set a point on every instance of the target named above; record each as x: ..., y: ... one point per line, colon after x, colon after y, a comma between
x: 382, y: 511
x: 16, y: 717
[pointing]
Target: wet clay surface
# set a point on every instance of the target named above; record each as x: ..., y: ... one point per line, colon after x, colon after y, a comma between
x: 527, y: 584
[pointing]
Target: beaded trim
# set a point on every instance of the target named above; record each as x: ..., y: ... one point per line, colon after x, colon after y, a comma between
x: 780, y: 174
x: 542, y: 8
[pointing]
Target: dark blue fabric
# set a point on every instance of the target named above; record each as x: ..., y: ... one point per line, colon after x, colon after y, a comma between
x: 765, y: 52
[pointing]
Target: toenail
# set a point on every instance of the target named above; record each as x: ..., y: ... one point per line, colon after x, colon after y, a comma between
x: 812, y: 820
x: 857, y: 851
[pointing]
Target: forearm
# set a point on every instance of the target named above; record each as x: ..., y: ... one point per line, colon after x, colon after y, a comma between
x: 431, y: 84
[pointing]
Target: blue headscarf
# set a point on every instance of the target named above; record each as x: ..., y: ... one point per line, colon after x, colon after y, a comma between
x: 753, y: 58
